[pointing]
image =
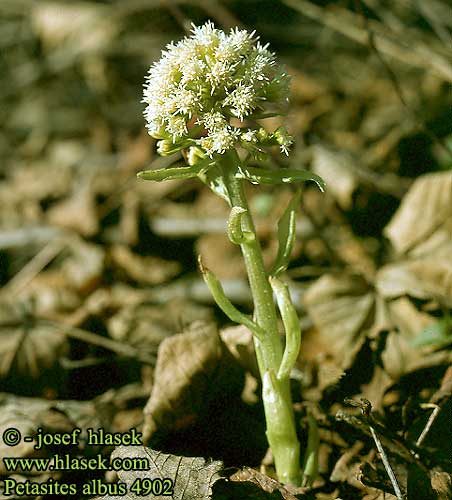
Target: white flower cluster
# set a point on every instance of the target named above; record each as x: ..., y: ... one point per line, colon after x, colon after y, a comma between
x: 207, y: 79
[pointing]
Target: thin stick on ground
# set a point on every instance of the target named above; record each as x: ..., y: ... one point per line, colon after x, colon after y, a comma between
x: 387, y: 465
x: 366, y: 408
x: 428, y: 426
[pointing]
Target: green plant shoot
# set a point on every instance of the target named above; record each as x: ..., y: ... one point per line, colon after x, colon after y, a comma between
x: 204, y: 97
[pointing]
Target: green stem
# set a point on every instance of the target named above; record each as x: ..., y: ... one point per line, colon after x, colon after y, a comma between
x: 281, y: 433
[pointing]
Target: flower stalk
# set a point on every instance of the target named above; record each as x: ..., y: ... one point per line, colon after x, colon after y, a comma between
x: 201, y: 98
x: 281, y: 432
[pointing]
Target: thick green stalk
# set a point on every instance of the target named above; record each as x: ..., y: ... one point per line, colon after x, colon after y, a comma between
x: 281, y: 432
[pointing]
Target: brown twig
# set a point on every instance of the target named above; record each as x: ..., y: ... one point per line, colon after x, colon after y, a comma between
x: 366, y: 408
x: 109, y: 344
x: 35, y: 266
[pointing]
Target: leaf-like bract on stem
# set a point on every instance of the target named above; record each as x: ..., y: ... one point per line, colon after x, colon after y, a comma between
x: 282, y: 176
x: 291, y: 326
x: 226, y: 305
x: 286, y: 235
x: 168, y: 174
x: 235, y: 232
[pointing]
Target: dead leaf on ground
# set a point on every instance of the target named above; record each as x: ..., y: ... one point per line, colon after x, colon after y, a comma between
x: 146, y: 325
x: 219, y: 255
x: 421, y: 233
x: 30, y: 414
x: 49, y: 293
x: 346, y: 467
x: 82, y: 27
x: 375, y: 390
x: 26, y: 347
x: 78, y: 212
x: 192, y: 477
x: 84, y: 267
x: 266, y: 484
x: 146, y: 270
x: 400, y: 357
x: 426, y: 206
x: 341, y: 308
x: 21, y: 418
x: 188, y: 374
x: 239, y: 341
x: 425, y: 278
x: 442, y: 485
x: 334, y: 168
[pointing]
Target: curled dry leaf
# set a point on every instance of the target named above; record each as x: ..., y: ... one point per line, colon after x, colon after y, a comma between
x: 346, y: 311
x: 346, y: 467
x: 188, y: 376
x: 266, y: 485
x: 425, y: 278
x: 192, y: 477
x: 400, y: 355
x: 40, y: 181
x: 49, y: 294
x: 442, y: 485
x: 220, y: 256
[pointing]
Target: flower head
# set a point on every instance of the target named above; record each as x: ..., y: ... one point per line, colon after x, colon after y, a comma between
x: 207, y: 79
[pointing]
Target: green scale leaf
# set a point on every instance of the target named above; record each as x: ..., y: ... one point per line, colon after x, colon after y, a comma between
x: 286, y: 235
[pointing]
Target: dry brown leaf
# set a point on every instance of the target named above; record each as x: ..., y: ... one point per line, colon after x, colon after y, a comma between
x: 22, y: 419
x: 426, y: 278
x: 442, y: 485
x: 267, y: 484
x: 346, y: 467
x: 146, y: 325
x: 26, y: 347
x: 146, y: 270
x: 334, y: 168
x: 41, y: 180
x: 219, y: 255
x: 340, y: 307
x: 400, y: 356
x: 29, y: 414
x: 375, y: 390
x: 192, y: 477
x: 184, y: 378
x: 239, y: 341
x: 426, y: 206
x: 77, y: 212
x: 84, y: 267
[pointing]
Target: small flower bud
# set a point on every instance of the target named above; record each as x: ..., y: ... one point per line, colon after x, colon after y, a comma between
x: 283, y: 138
x: 194, y: 155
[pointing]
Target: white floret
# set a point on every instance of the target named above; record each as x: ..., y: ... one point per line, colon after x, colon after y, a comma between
x: 242, y: 100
